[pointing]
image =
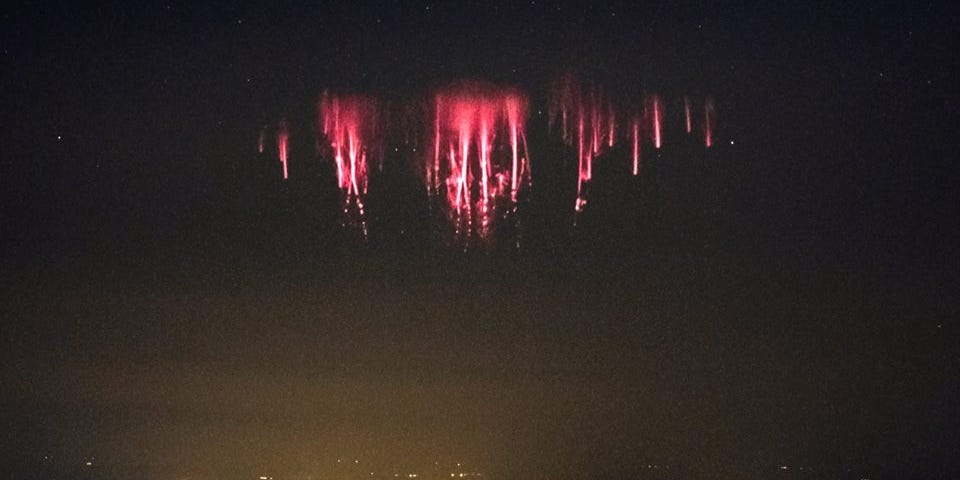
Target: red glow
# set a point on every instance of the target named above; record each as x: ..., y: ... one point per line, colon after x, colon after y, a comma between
x: 611, y: 124
x: 595, y: 123
x: 349, y: 123
x: 515, y: 116
x: 283, y: 136
x: 479, y: 163
x: 433, y: 170
x: 593, y: 127
x: 709, y: 122
x: 472, y: 123
x: 635, y: 131
x: 656, y: 116
x: 564, y: 95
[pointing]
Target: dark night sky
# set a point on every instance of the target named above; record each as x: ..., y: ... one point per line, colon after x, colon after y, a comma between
x: 169, y: 310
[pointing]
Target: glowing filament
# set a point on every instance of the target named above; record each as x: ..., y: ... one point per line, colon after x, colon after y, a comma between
x: 708, y: 122
x: 283, y: 135
x: 656, y: 114
x: 476, y: 123
x: 636, y: 146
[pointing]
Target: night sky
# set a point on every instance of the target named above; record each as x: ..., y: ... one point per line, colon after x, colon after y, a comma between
x: 786, y: 299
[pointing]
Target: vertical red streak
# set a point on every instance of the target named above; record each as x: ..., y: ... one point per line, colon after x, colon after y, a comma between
x: 581, y: 149
x: 584, y: 159
x: 283, y: 134
x: 484, y: 157
x: 636, y: 147
x: 657, y: 131
x: 708, y: 122
x: 352, y: 149
x: 473, y: 114
x: 686, y: 114
x: 465, y: 131
x: 563, y: 130
x: 612, y: 125
x: 595, y: 123
x: 454, y: 180
x: 434, y: 179
x: 349, y: 124
x: 514, y: 111
x: 590, y: 125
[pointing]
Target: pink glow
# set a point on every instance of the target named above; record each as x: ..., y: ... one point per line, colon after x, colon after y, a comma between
x: 349, y: 124
x: 433, y: 172
x: 261, y: 139
x: 472, y: 123
x: 515, y: 114
x: 585, y: 160
x: 709, y: 122
x: 564, y: 95
x: 635, y: 127
x: 611, y: 125
x: 595, y: 123
x: 283, y: 136
x: 586, y: 154
x: 588, y: 122
x: 686, y: 114
x: 656, y: 115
